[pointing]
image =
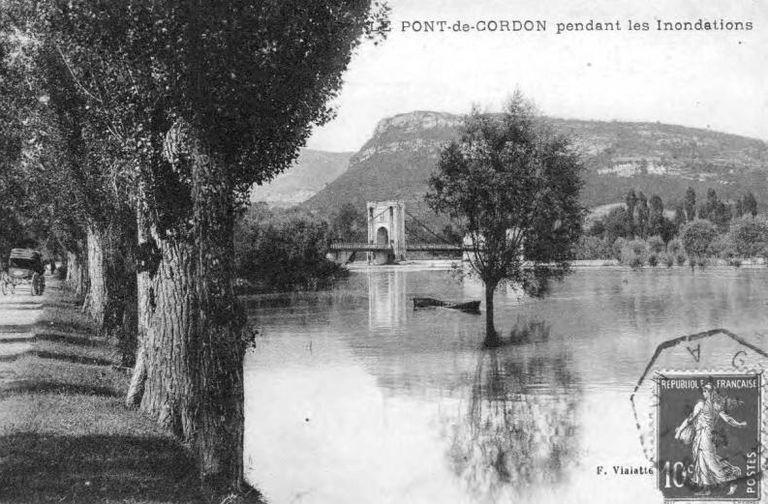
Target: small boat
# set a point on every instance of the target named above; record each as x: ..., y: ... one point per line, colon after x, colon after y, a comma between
x: 419, y: 302
x: 468, y: 307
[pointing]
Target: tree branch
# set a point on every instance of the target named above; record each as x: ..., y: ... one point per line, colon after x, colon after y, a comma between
x: 74, y: 77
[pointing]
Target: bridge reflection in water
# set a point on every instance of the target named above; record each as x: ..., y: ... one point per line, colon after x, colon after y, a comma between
x: 387, y: 299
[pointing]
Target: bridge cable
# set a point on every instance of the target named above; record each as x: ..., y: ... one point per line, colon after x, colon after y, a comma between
x: 442, y: 239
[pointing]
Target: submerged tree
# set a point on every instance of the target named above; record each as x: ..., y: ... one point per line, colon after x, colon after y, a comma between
x: 513, y: 187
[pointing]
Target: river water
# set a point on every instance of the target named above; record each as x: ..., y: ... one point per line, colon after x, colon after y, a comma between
x: 354, y: 397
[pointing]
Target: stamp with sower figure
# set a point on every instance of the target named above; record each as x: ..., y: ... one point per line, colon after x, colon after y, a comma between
x: 708, y: 436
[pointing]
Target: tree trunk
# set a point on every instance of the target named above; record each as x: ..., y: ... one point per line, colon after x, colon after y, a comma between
x: 77, y: 279
x: 145, y: 308
x: 167, y: 389
x: 220, y: 343
x: 491, y: 336
x: 97, y: 299
x: 194, y: 348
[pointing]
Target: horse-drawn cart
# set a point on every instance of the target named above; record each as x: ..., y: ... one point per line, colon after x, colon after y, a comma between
x: 25, y: 266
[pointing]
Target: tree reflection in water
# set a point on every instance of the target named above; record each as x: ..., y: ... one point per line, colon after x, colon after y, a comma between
x: 519, y: 429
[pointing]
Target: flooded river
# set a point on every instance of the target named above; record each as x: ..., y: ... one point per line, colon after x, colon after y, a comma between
x: 354, y: 397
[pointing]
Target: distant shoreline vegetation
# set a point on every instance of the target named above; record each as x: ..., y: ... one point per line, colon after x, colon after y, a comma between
x: 284, y: 250
x: 637, y: 233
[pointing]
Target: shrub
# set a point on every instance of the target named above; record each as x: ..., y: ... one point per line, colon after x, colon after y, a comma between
x: 674, y: 246
x: 653, y: 259
x: 721, y: 247
x: 617, y: 247
x: 655, y: 244
x: 633, y: 253
x: 669, y: 260
x: 636, y: 262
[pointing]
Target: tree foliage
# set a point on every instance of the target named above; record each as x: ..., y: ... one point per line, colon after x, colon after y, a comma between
x: 749, y: 237
x: 349, y: 224
x: 283, y: 250
x: 696, y: 237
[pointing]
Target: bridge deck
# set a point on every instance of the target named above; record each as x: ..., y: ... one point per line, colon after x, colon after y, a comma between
x: 421, y: 247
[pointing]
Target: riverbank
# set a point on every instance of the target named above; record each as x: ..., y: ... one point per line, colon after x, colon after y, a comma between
x: 448, y: 264
x: 65, y: 435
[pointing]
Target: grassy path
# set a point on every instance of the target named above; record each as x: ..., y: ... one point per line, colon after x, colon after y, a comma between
x: 65, y: 435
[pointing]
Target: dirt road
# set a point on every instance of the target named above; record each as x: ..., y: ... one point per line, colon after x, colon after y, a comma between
x: 19, y: 312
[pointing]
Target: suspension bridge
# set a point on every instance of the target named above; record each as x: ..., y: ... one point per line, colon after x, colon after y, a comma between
x: 387, y: 229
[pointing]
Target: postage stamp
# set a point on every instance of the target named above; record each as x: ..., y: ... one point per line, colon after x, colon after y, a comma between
x: 709, y: 436
x: 700, y: 408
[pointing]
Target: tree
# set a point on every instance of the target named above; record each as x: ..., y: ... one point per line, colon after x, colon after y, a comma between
x: 721, y: 216
x: 739, y: 208
x: 656, y: 216
x: 514, y: 188
x: 696, y: 237
x: 749, y: 237
x: 679, y: 219
x: 283, y: 250
x: 597, y: 228
x: 204, y: 99
x: 617, y: 224
x: 690, y: 204
x: 350, y: 224
x: 74, y: 202
x: 643, y: 216
x: 709, y: 207
x: 750, y: 204
x: 631, y: 202
x: 668, y: 230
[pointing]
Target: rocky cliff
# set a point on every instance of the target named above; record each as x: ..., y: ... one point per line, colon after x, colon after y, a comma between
x: 652, y: 157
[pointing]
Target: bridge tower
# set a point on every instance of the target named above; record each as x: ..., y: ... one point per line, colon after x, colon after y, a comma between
x: 386, y: 226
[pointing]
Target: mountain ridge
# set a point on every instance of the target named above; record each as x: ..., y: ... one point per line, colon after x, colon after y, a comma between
x: 656, y: 158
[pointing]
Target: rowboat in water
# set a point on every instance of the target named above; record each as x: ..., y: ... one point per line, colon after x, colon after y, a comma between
x: 468, y: 307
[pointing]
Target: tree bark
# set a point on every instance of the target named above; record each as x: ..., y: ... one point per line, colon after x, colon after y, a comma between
x: 145, y: 308
x: 220, y: 345
x: 97, y: 299
x: 491, y: 336
x: 77, y: 279
x: 193, y: 348
x: 167, y: 390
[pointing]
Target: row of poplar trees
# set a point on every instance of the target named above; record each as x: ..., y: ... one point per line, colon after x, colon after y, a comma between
x: 134, y: 129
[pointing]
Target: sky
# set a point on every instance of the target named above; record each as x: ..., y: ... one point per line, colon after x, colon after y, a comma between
x: 713, y: 79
